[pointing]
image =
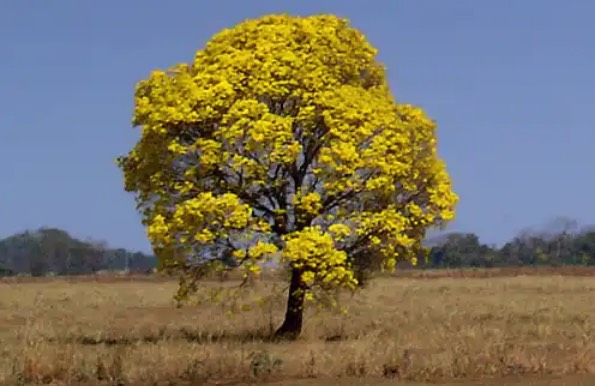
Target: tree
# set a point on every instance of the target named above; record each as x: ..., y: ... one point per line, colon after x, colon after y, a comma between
x: 281, y: 141
x: 461, y: 250
x: 585, y: 247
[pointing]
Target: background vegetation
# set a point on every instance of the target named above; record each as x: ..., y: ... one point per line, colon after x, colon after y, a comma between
x: 52, y: 251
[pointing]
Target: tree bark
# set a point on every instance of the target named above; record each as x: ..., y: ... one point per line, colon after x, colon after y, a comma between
x: 292, y: 325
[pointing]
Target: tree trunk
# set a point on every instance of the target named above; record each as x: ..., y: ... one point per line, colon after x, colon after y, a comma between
x: 292, y: 325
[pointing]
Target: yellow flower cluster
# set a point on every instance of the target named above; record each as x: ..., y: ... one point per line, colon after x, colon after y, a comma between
x: 203, y: 218
x: 313, y: 252
x: 307, y: 204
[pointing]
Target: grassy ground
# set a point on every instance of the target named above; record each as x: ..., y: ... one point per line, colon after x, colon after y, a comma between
x: 525, y: 330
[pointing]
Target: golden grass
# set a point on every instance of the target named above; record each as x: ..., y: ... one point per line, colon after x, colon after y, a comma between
x: 128, y: 332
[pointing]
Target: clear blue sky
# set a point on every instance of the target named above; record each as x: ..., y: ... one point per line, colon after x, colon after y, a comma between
x: 510, y: 83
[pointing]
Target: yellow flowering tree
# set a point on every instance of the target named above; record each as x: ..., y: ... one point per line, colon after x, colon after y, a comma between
x: 281, y: 141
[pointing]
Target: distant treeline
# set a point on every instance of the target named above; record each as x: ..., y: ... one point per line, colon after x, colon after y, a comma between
x: 51, y: 251
x: 458, y: 250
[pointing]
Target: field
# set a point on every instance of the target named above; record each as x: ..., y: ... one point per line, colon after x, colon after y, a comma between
x: 449, y: 327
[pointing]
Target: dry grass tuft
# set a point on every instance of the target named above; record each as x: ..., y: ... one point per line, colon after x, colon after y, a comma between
x: 122, y: 332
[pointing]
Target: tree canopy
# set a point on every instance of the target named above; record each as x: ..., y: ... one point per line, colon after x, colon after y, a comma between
x: 281, y: 140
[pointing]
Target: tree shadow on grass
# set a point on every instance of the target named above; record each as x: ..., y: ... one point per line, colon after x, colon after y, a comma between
x: 163, y: 335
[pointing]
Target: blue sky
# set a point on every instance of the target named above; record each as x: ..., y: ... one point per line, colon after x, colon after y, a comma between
x: 510, y: 83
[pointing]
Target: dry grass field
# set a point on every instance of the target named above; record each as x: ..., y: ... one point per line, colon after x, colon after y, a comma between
x: 460, y: 328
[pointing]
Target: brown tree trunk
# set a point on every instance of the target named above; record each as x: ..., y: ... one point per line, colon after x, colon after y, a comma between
x: 292, y: 325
